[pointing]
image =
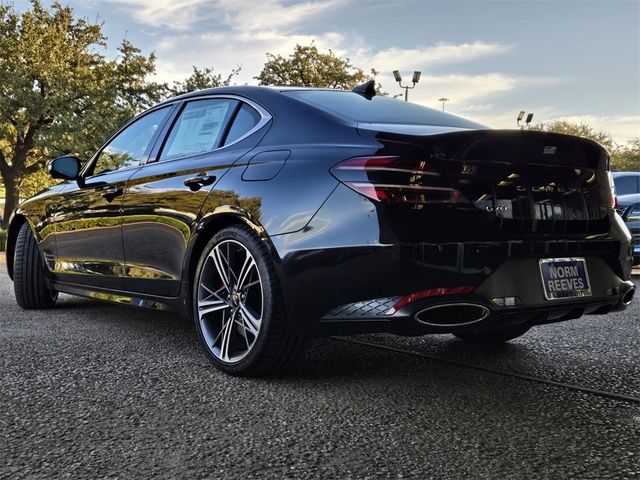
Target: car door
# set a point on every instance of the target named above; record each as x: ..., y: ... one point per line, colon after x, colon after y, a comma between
x: 88, y: 218
x: 164, y: 197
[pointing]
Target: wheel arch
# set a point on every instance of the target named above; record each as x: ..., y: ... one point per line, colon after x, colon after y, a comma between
x: 206, y: 228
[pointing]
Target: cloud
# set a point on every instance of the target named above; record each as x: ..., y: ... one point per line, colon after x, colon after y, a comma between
x: 237, y: 15
x: 176, y: 54
x: 270, y: 15
x: 172, y: 14
x: 465, y: 92
x: 425, y: 56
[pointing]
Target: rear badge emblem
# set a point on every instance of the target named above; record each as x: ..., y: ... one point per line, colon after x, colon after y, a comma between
x: 499, y: 208
x: 550, y: 150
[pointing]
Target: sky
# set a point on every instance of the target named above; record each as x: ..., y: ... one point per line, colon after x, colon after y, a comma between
x: 562, y: 59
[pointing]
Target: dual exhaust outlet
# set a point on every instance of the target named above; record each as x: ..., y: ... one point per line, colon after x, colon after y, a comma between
x: 452, y: 314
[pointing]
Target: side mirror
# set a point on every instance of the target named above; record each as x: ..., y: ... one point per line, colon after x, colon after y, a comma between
x: 65, y: 168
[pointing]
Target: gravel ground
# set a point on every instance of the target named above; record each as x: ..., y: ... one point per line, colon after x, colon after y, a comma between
x: 90, y: 390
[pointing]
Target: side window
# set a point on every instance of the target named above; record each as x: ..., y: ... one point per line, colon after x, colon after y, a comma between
x: 127, y: 149
x: 625, y: 185
x: 199, y: 128
x: 245, y: 120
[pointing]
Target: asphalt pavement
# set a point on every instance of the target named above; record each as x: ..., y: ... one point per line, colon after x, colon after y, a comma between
x: 91, y: 390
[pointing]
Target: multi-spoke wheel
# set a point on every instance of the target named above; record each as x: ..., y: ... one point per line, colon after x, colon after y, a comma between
x: 238, y: 306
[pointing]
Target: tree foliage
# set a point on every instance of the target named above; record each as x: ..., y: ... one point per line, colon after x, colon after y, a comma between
x: 201, y: 79
x: 623, y: 157
x: 308, y: 67
x: 58, y: 94
x: 627, y: 157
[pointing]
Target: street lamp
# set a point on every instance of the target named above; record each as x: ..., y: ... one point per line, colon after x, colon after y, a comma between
x: 527, y: 121
x: 415, y: 79
x: 443, y: 99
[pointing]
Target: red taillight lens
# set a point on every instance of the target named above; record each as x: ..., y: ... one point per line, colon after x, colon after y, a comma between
x: 432, y: 292
x: 613, y: 200
x: 397, y: 180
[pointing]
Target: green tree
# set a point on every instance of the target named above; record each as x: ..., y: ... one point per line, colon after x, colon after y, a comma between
x: 308, y: 67
x: 58, y: 94
x: 201, y: 79
x: 578, y: 129
x: 627, y: 157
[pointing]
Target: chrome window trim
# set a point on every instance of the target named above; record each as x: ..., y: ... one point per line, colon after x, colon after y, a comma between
x: 265, y: 117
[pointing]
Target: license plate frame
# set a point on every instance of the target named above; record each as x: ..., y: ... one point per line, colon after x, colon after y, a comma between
x: 564, y: 276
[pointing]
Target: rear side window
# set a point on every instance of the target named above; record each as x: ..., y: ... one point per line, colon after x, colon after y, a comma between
x: 355, y: 107
x: 626, y: 185
x: 246, y: 118
x: 199, y: 128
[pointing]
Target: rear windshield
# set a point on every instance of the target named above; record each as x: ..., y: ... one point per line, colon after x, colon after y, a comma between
x: 357, y: 108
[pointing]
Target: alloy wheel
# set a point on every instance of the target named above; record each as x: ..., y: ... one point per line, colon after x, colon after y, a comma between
x: 230, y: 301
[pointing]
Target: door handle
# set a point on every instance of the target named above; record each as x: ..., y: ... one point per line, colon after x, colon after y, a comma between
x: 196, y: 183
x: 110, y: 193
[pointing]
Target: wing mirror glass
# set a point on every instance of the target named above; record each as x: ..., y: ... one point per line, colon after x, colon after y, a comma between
x: 65, y: 168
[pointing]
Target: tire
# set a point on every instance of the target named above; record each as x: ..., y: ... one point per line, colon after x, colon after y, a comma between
x: 494, y: 337
x: 238, y: 307
x: 29, y: 274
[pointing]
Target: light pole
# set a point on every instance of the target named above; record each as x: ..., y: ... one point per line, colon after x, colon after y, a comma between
x: 443, y: 99
x: 414, y: 80
x: 527, y: 120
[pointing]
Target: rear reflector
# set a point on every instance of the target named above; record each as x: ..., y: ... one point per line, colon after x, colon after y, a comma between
x: 399, y: 180
x: 432, y: 292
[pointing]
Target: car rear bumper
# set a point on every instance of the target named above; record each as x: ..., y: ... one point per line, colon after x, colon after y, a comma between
x: 340, y: 273
x: 354, y: 289
x: 480, y: 310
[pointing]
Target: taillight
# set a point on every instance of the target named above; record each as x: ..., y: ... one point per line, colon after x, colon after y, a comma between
x: 613, y: 199
x: 400, y: 180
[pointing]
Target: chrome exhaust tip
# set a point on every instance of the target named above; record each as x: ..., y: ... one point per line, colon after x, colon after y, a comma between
x: 627, y: 298
x: 452, y: 314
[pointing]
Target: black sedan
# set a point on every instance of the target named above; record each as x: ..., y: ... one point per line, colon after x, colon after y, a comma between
x: 629, y: 209
x: 270, y: 215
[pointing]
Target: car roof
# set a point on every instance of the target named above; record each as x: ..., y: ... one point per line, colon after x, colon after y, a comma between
x: 247, y: 90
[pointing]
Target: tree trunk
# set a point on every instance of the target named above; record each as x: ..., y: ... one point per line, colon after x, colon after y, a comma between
x: 12, y: 196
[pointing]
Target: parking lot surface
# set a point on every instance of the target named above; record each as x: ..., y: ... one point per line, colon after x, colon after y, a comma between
x: 91, y: 390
